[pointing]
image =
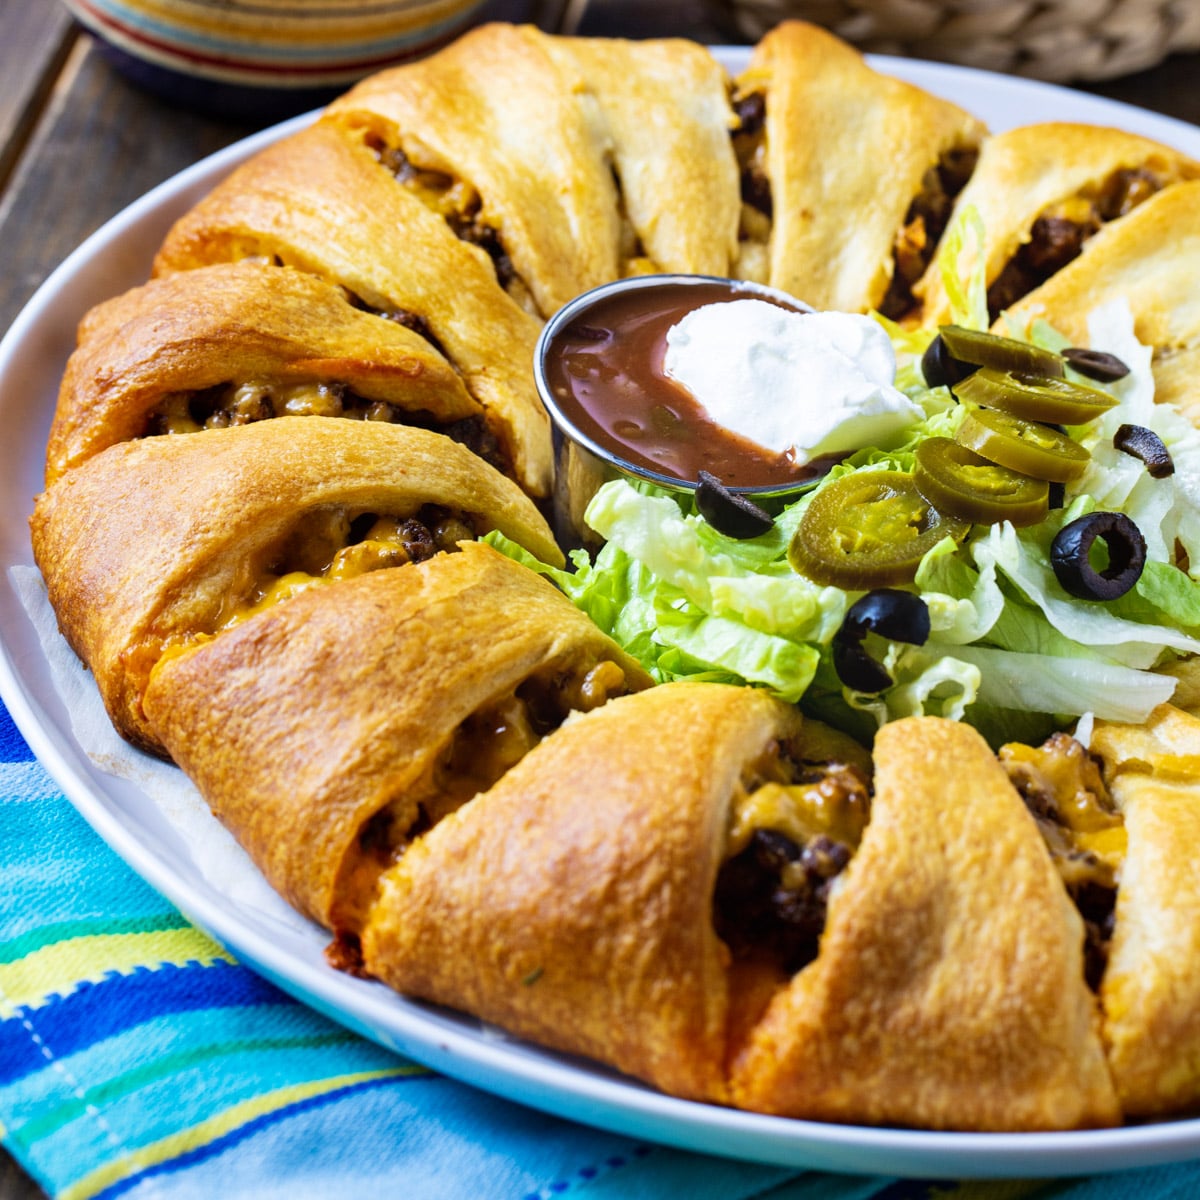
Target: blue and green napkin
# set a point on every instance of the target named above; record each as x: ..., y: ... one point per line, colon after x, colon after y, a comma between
x: 138, y: 1059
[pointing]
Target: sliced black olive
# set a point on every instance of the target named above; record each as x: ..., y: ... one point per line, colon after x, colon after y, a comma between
x: 1096, y: 364
x: 940, y: 368
x: 728, y: 512
x: 893, y: 614
x: 1143, y: 443
x: 1057, y: 497
x: 1071, y: 549
x: 857, y: 669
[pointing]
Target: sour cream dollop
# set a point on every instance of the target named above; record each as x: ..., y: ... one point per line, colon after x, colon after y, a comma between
x: 806, y: 383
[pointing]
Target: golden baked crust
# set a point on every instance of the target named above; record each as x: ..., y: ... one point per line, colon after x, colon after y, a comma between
x: 391, y: 747
x: 562, y: 138
x: 933, y: 1001
x: 236, y: 323
x: 847, y: 150
x: 496, y: 110
x: 1151, y: 258
x: 1027, y: 171
x: 390, y: 252
x: 666, y: 104
x: 1151, y: 989
x: 133, y: 563
x: 297, y: 740
x: 949, y: 991
x: 608, y: 836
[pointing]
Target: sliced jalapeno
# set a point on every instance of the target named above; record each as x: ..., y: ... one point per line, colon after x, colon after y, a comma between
x: 1033, y: 398
x: 867, y: 530
x: 1023, y: 446
x: 958, y: 481
x: 940, y: 368
x: 1000, y: 353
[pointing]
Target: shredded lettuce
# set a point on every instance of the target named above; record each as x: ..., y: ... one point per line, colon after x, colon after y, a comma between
x: 1010, y: 650
x: 962, y: 264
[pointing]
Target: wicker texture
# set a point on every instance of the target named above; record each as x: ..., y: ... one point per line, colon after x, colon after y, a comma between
x: 1043, y: 39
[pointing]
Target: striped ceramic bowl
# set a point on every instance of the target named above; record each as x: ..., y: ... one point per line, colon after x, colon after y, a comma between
x: 203, y: 51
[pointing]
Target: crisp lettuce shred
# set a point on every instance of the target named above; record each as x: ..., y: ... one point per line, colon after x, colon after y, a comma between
x: 1010, y: 651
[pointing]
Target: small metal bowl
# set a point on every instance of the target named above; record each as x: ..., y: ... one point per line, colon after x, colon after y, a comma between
x: 583, y: 465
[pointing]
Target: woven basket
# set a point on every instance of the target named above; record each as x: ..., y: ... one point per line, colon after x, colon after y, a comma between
x: 1043, y: 39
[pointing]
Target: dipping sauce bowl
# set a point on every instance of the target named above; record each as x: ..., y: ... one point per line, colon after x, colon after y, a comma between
x: 599, y: 371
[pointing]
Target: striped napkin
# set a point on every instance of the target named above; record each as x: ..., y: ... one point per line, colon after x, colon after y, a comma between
x: 138, y: 1058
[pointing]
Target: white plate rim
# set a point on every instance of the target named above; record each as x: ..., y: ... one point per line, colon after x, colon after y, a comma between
x: 455, y: 1045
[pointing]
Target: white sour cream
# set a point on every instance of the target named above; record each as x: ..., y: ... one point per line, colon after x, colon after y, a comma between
x: 814, y: 383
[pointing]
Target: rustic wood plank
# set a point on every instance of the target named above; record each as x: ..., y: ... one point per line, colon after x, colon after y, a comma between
x: 1168, y: 88
x: 15, y: 1184
x: 34, y: 40
x: 100, y: 144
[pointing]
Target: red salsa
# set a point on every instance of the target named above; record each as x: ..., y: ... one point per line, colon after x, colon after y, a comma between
x: 605, y: 371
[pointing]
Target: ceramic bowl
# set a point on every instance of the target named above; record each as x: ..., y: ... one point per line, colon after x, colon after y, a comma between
x: 233, y: 56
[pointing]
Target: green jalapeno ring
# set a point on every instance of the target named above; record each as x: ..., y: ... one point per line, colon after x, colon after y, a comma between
x: 1023, y: 446
x: 958, y: 481
x: 1035, y: 398
x: 994, y: 352
x: 868, y: 529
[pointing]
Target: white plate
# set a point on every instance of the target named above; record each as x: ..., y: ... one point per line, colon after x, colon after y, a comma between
x: 288, y: 951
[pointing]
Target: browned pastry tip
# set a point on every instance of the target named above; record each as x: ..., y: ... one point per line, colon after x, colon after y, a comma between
x: 328, y: 732
x: 1151, y: 988
x: 158, y: 541
x: 949, y: 989
x: 572, y: 903
x: 392, y: 254
x: 855, y: 171
x: 240, y: 341
x: 496, y: 113
x: 567, y: 157
x: 1150, y: 259
x: 1041, y: 191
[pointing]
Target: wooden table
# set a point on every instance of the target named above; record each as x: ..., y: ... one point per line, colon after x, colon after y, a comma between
x: 78, y: 144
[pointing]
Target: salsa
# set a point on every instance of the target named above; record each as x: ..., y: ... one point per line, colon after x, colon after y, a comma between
x: 605, y: 371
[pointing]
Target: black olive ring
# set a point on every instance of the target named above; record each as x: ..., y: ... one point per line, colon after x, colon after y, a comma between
x: 893, y: 614
x: 1071, y: 549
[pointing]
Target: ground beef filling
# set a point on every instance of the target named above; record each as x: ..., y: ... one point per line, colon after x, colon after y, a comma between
x: 924, y: 224
x: 485, y: 746
x: 789, y: 841
x: 750, y: 149
x: 1058, y: 234
x: 1063, y: 788
x: 332, y: 544
x: 230, y: 404
x: 460, y: 205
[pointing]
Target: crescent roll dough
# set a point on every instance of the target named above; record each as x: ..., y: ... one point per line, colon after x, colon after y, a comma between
x: 1150, y: 258
x: 154, y: 542
x: 1079, y: 175
x: 553, y: 143
x: 239, y: 324
x: 1151, y: 989
x: 326, y: 731
x: 949, y: 989
x: 572, y: 903
x: 932, y: 1000
x: 847, y: 152
x: 392, y: 253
